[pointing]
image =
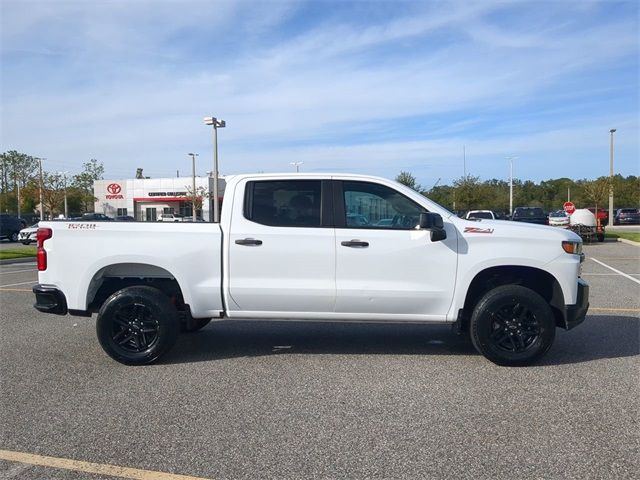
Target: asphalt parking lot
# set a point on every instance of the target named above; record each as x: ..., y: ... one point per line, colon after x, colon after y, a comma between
x: 292, y: 400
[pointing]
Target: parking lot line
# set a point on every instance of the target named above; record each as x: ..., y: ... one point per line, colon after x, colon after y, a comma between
x: 615, y: 270
x: 607, y: 309
x: 21, y: 283
x: 17, y: 271
x: 89, y: 467
x: 15, y: 290
x: 606, y: 274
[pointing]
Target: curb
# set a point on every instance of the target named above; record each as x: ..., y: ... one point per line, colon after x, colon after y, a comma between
x: 9, y: 261
x: 630, y: 242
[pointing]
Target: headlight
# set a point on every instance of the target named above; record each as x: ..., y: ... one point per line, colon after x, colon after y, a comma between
x: 574, y: 248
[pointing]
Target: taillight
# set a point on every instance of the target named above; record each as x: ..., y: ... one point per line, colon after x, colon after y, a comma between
x: 42, y: 235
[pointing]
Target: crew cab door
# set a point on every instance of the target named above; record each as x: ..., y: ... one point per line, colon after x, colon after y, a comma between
x: 384, y: 263
x: 281, y: 248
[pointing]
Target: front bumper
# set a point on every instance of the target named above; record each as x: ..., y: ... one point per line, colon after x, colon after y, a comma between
x: 50, y: 300
x: 574, y: 315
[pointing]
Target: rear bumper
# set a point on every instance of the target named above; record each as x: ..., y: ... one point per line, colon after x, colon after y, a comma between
x: 50, y: 300
x: 575, y: 314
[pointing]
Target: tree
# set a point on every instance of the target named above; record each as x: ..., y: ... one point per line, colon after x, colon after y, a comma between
x: 405, y: 178
x: 197, y: 197
x: 597, y: 191
x: 16, y: 167
x: 467, y: 192
x: 53, y: 192
x: 92, y: 171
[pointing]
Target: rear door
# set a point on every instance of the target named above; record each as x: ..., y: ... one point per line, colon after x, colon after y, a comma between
x: 282, y: 248
x: 384, y: 264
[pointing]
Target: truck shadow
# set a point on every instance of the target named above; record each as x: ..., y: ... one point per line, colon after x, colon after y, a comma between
x: 599, y: 337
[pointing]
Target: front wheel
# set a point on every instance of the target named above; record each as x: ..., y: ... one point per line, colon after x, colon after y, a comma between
x: 137, y: 325
x: 14, y: 237
x: 512, y: 325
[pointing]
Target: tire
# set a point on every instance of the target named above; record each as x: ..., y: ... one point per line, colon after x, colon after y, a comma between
x: 14, y: 237
x: 137, y: 325
x: 194, y: 325
x: 26, y: 242
x: 512, y: 326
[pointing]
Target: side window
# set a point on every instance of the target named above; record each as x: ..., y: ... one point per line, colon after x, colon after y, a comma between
x: 369, y: 205
x: 284, y: 203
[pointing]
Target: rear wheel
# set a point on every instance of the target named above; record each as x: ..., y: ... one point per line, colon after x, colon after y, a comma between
x: 14, y: 237
x: 137, y: 325
x: 512, y: 325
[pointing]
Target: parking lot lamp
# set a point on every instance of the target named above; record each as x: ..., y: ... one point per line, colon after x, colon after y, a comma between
x: 41, y: 200
x: 193, y: 184
x: 216, y: 124
x: 612, y: 131
x: 66, y: 209
x: 297, y: 165
x: 511, y: 158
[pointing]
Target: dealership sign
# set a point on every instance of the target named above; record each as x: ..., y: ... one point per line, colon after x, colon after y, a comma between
x: 113, y: 192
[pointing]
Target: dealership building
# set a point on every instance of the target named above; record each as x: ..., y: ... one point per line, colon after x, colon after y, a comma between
x: 145, y: 199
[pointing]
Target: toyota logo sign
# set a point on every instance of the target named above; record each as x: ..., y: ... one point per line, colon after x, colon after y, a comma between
x: 114, y: 188
x: 114, y: 192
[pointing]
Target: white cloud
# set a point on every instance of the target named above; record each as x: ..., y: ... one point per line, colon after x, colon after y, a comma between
x: 133, y: 82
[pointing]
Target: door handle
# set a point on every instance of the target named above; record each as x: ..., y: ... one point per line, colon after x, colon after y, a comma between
x: 354, y: 244
x: 249, y: 242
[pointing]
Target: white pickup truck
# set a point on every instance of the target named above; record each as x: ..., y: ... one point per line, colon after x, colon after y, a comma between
x: 336, y: 248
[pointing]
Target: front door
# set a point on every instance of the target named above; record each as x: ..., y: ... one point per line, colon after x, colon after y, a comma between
x: 384, y: 263
x: 281, y: 249
x: 151, y: 214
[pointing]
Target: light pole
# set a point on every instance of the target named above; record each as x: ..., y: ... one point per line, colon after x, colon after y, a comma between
x: 18, y: 188
x: 612, y: 131
x: 297, y: 165
x: 41, y: 200
x: 216, y: 124
x: 66, y: 210
x: 193, y: 183
x: 511, y: 158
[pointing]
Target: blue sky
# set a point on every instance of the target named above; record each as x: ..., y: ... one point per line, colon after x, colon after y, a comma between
x: 369, y: 87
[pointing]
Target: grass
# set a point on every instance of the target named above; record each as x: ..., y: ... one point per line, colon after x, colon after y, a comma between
x: 626, y: 235
x: 20, y: 252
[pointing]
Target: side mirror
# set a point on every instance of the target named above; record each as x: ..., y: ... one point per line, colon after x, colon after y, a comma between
x: 438, y: 234
x: 433, y: 221
x: 430, y: 220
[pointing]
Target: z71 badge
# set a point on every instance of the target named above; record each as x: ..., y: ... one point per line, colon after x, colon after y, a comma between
x: 477, y: 230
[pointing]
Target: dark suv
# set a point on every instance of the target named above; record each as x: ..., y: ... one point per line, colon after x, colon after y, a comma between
x: 10, y: 226
x: 530, y: 215
x: 627, y: 216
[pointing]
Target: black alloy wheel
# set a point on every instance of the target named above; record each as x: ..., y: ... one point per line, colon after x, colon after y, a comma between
x: 512, y: 325
x: 134, y: 328
x: 137, y: 325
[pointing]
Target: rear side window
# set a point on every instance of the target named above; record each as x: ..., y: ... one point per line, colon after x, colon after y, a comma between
x: 284, y: 203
